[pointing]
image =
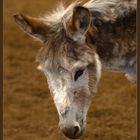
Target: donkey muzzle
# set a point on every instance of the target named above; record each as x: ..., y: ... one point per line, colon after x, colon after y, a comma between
x: 71, y: 131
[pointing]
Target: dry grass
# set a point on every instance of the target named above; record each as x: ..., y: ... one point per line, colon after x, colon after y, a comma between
x: 29, y: 112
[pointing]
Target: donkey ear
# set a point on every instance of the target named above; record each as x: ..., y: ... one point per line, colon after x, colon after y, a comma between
x: 80, y: 21
x: 33, y: 26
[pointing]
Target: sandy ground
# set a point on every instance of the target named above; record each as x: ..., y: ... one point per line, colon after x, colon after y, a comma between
x: 29, y: 111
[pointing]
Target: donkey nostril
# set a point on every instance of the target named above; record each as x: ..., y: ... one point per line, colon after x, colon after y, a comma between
x: 76, y: 130
x: 72, y: 132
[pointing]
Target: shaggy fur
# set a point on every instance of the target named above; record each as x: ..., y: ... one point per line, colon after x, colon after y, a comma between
x: 73, y: 39
x: 112, y: 33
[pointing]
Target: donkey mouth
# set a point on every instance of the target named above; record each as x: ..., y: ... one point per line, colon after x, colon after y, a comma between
x: 75, y: 136
x: 73, y: 133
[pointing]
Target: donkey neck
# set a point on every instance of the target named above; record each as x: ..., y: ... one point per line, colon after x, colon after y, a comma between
x: 115, y: 43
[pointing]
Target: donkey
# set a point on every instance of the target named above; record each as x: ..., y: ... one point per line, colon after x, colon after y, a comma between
x: 77, y: 40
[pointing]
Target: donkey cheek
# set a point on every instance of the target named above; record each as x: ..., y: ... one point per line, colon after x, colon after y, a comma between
x: 82, y: 102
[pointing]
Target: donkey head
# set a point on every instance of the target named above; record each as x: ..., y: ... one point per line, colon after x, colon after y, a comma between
x: 72, y: 67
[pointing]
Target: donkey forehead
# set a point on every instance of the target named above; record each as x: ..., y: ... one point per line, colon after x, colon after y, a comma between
x: 62, y: 51
x: 65, y: 64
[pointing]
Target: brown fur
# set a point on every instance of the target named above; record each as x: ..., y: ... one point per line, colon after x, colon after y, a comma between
x: 116, y: 41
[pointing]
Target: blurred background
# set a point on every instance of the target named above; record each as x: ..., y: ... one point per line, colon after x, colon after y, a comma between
x: 29, y: 111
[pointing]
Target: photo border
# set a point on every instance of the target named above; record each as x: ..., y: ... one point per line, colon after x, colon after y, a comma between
x: 138, y: 70
x: 1, y: 70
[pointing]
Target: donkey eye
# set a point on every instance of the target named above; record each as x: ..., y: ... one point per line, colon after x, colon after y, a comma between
x: 78, y: 74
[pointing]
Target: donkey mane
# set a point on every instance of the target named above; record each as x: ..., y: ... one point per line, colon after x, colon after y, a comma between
x: 107, y: 9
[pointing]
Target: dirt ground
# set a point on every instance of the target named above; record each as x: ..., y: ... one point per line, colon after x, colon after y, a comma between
x: 29, y: 111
